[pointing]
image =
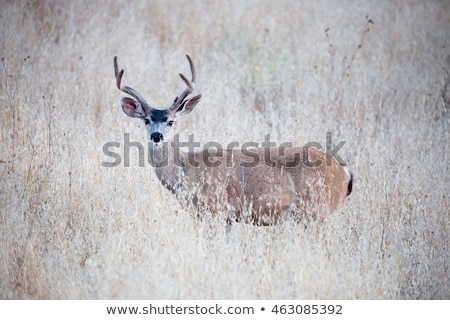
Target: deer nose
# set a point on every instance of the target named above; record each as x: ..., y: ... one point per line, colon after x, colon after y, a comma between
x: 156, y: 136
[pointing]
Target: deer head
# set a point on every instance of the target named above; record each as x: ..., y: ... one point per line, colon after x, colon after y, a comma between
x: 159, y: 122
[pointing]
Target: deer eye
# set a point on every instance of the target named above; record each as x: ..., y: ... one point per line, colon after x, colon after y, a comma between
x: 147, y: 121
x: 170, y: 123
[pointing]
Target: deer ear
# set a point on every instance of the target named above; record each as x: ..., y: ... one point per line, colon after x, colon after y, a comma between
x: 132, y: 108
x: 188, y: 106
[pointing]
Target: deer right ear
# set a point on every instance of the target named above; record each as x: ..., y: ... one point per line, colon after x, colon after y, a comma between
x: 132, y: 108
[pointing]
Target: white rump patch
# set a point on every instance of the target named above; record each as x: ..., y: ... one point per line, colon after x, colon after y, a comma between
x: 347, y: 170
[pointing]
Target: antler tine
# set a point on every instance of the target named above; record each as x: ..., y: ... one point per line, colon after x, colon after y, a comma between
x: 129, y: 90
x: 193, y: 71
x: 117, y: 73
x: 191, y: 85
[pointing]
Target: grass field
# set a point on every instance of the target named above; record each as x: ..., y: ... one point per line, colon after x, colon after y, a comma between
x: 374, y: 73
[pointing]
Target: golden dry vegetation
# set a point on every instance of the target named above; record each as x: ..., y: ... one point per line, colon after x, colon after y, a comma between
x: 374, y: 73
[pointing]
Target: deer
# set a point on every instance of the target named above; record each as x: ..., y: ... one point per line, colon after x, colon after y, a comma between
x: 255, y: 185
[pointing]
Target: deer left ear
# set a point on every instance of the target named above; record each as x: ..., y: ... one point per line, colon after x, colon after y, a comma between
x: 188, y: 106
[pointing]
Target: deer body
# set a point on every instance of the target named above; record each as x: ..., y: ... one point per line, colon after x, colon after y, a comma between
x: 255, y: 185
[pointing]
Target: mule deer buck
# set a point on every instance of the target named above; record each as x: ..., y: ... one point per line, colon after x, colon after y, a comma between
x: 257, y: 185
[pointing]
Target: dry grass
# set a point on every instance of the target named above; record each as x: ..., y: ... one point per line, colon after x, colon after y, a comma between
x: 73, y: 229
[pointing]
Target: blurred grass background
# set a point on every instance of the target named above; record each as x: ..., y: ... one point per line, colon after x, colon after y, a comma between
x: 375, y: 73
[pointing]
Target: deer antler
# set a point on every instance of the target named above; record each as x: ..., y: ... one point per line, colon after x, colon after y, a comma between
x: 191, y: 85
x: 147, y: 108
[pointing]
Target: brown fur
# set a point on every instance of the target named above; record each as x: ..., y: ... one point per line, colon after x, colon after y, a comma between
x: 261, y: 193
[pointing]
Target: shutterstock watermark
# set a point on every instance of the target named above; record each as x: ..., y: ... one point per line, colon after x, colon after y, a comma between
x: 214, y: 154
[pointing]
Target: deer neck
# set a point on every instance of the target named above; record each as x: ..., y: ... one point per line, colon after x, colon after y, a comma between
x: 169, y: 164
